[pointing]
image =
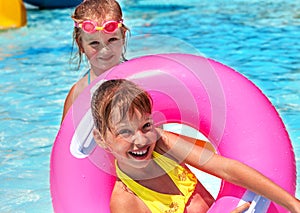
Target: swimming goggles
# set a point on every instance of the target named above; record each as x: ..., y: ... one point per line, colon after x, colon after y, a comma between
x: 89, y: 26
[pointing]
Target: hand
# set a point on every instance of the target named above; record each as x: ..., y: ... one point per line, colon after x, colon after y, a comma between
x: 241, y: 208
x: 296, y: 206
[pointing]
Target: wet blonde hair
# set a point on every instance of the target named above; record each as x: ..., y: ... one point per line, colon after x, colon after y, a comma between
x: 120, y: 96
x: 98, y: 11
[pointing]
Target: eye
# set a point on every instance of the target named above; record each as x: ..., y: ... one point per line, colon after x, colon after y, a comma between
x: 113, y: 39
x: 94, y: 43
x: 124, y: 133
x: 147, y: 126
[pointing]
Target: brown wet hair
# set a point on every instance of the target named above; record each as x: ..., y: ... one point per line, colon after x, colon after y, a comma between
x: 120, y: 96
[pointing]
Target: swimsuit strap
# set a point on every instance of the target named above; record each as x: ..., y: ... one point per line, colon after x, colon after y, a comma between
x: 159, y: 202
x: 89, y: 76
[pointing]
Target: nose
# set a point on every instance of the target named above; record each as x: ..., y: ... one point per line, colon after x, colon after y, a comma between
x: 104, y: 49
x: 139, y: 139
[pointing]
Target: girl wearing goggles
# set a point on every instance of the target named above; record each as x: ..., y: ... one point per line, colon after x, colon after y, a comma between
x: 102, y: 45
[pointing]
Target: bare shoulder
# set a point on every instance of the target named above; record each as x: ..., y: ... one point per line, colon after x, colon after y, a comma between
x: 123, y: 200
x: 74, y: 92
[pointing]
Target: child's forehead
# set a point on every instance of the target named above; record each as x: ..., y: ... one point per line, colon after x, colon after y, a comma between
x: 118, y: 117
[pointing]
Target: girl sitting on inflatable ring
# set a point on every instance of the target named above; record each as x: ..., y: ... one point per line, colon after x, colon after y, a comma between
x: 150, y: 162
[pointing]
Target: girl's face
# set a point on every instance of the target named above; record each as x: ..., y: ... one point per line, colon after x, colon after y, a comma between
x: 132, y: 140
x: 103, y: 50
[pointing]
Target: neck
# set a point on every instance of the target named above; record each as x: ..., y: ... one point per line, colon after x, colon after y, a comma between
x: 95, y: 73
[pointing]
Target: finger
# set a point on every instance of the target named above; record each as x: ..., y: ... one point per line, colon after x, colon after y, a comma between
x: 241, y: 208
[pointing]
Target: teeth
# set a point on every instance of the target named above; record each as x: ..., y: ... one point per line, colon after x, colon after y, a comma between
x: 139, y: 152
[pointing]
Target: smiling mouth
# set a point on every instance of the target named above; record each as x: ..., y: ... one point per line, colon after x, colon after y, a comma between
x: 106, y: 58
x: 140, y: 153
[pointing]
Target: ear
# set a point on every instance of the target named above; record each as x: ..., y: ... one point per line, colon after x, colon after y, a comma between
x: 99, y: 139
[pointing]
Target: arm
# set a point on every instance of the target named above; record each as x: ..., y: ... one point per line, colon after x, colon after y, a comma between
x: 184, y: 149
x: 244, y: 176
x: 74, y: 92
x: 68, y: 102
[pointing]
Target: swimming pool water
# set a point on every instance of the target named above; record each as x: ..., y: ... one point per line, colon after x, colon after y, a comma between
x: 260, y: 39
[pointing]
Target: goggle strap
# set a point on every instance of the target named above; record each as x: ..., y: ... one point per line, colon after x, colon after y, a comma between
x: 99, y: 28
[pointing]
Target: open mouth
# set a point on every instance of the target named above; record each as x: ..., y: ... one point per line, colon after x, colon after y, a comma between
x: 139, y: 154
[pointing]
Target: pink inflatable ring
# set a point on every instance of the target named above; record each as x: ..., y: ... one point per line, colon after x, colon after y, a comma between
x: 222, y: 104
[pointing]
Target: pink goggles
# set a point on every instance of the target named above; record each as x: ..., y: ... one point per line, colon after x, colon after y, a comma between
x: 89, y: 26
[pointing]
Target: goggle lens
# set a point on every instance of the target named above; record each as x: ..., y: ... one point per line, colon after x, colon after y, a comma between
x: 110, y: 27
x: 88, y: 27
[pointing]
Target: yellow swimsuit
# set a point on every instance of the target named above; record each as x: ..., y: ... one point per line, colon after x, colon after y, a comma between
x: 166, y: 203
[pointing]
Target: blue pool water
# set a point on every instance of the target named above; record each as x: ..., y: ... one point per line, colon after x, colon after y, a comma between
x: 260, y: 39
